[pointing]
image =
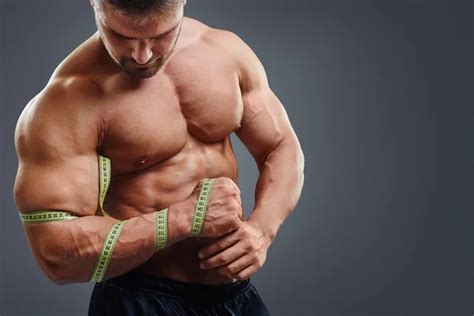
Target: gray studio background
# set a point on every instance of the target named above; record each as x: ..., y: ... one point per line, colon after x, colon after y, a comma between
x: 377, y: 93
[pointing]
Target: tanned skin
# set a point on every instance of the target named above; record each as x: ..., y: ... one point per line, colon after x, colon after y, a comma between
x: 161, y: 101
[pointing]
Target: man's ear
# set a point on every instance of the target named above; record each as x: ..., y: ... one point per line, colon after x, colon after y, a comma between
x: 184, y: 3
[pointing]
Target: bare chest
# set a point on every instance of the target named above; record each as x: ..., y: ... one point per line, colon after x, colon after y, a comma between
x: 195, y: 99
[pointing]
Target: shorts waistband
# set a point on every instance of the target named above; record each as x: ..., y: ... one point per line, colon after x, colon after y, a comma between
x: 195, y: 292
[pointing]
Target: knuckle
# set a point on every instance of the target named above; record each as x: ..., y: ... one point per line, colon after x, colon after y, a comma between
x: 223, y: 259
x: 229, y: 187
x: 246, y: 233
x: 232, y: 269
x: 221, y: 244
x: 235, y: 223
x: 235, y: 217
x: 229, y: 192
x: 248, y: 246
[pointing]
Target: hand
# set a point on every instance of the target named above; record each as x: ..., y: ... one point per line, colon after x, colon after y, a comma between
x: 239, y: 254
x: 224, y: 212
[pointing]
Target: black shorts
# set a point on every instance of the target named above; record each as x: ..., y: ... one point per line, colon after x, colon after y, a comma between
x: 137, y: 293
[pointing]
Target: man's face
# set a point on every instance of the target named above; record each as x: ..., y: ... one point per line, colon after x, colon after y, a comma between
x: 140, y: 45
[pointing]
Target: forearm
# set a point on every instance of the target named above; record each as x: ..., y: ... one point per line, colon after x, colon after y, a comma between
x: 279, y: 187
x: 68, y: 251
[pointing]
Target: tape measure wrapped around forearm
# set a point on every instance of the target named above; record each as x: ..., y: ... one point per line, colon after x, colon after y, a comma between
x: 161, y: 239
x: 201, y: 207
x: 107, y: 250
x: 45, y: 216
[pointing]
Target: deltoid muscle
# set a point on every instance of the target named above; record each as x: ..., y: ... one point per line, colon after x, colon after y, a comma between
x: 44, y: 216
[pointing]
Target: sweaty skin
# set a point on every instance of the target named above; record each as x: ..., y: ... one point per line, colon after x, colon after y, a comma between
x: 162, y: 134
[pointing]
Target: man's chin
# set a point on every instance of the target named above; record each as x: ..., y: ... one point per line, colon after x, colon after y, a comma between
x: 142, y: 73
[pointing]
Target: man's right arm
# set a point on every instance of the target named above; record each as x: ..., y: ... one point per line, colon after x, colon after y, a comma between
x: 57, y: 140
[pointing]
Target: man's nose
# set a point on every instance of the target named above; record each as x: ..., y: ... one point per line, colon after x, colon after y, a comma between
x: 142, y: 52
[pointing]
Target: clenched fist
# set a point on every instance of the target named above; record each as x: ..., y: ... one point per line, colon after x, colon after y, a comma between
x: 224, y: 211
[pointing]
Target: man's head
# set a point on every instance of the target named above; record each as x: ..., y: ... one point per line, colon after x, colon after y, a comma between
x: 139, y: 35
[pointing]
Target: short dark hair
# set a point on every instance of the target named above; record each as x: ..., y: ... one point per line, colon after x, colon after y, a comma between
x: 144, y: 6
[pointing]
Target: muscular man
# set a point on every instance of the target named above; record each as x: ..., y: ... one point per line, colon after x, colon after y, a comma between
x: 158, y: 94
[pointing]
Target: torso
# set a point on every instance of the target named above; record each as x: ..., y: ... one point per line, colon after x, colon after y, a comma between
x: 165, y: 134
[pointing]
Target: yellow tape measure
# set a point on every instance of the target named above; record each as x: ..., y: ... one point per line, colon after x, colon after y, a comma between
x: 201, y: 207
x: 105, y: 168
x: 45, y: 216
x: 161, y: 229
x: 106, y: 253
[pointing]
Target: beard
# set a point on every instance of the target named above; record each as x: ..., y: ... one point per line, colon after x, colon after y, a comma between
x: 129, y: 66
x: 135, y: 70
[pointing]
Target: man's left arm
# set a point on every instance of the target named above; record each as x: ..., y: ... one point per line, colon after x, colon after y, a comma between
x: 268, y: 135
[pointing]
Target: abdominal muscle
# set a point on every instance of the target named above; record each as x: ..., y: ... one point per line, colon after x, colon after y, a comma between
x: 161, y: 185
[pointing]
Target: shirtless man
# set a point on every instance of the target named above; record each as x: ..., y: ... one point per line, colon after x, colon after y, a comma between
x: 159, y: 95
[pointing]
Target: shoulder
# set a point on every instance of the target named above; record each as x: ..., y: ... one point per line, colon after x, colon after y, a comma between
x: 225, y: 40
x: 248, y: 64
x: 62, y: 94
x: 59, y: 118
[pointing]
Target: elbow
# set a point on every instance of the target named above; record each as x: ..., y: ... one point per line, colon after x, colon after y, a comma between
x: 56, y: 267
x: 61, y: 274
x: 59, y: 281
x: 58, y: 257
x: 54, y: 272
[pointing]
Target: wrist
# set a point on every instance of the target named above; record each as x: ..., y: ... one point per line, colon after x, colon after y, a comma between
x: 268, y: 228
x: 178, y: 222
